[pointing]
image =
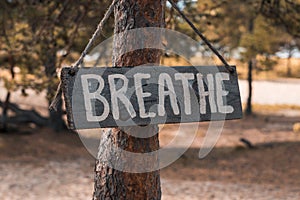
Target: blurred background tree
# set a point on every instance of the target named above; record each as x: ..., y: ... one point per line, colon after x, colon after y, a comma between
x: 37, y: 38
x: 252, y: 31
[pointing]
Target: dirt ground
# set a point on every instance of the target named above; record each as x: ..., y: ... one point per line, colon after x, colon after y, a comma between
x: 40, y: 164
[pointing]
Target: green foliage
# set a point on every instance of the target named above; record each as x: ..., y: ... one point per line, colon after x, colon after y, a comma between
x: 263, y: 40
x: 42, y: 36
x: 39, y: 37
x: 261, y: 27
x: 284, y: 14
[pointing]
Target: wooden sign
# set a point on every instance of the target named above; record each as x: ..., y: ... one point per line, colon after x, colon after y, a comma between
x: 130, y: 96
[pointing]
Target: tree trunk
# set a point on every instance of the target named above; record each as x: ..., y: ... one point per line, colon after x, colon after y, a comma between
x: 56, y: 121
x: 7, y: 99
x: 249, y: 100
x: 112, y: 183
x: 23, y: 116
x: 288, y: 65
x: 250, y: 69
x: 4, y: 113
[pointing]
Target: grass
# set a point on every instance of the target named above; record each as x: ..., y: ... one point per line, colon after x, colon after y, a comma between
x: 273, y: 108
x: 278, y: 71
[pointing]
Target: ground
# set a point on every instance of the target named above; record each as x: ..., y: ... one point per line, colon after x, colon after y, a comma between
x: 41, y: 164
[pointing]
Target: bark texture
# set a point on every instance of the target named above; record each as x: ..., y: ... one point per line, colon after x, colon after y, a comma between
x: 111, y: 183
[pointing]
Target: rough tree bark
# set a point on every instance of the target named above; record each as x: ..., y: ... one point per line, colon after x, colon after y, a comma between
x: 111, y: 183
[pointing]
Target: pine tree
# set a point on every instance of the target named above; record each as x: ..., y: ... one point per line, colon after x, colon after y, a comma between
x: 112, y: 183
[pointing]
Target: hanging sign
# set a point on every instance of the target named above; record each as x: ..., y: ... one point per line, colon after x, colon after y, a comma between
x: 130, y: 96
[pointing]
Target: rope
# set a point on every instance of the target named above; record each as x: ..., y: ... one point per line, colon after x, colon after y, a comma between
x: 57, y: 98
x: 228, y: 67
x: 95, y: 35
x: 75, y: 67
